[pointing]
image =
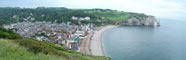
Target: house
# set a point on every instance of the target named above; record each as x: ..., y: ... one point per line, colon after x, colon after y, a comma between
x: 7, y: 26
x: 74, y: 46
x: 52, y: 39
x: 87, y: 18
x: 61, y: 41
x: 40, y: 38
x: 31, y: 14
x: 15, y: 16
x: 81, y: 34
x: 73, y: 39
x: 74, y: 18
x: 25, y: 19
x: 68, y: 43
x: 77, y: 39
x: 80, y: 18
x: 32, y: 19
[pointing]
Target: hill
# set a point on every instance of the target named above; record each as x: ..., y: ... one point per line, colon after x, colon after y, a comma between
x: 22, y: 48
x: 61, y: 14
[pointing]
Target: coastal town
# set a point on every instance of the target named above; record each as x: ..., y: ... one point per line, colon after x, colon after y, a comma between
x: 85, y: 38
x: 71, y: 36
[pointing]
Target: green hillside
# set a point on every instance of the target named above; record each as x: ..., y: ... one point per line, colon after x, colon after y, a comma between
x: 11, y: 51
x: 21, y: 48
x: 60, y: 14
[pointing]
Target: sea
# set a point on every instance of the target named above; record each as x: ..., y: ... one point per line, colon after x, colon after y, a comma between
x: 166, y: 42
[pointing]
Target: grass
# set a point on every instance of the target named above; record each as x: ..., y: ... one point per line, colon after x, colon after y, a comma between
x: 113, y: 16
x: 11, y: 50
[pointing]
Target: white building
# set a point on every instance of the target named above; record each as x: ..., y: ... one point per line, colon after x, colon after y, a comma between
x: 32, y: 19
x: 87, y: 18
x: 80, y: 18
x: 74, y: 18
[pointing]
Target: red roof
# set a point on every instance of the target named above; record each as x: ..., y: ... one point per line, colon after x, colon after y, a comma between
x: 52, y: 39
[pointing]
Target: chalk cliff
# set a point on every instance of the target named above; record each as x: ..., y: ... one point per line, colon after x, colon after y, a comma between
x: 145, y: 21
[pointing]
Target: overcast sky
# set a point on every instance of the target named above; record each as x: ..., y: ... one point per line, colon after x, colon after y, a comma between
x: 172, y: 9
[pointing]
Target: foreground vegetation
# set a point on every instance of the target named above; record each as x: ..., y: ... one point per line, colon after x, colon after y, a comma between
x: 60, y: 14
x: 22, y: 48
x: 11, y: 51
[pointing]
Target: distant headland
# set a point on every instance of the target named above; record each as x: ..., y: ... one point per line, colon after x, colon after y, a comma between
x: 144, y: 21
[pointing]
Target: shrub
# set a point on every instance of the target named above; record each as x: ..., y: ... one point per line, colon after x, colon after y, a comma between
x: 40, y: 46
x: 8, y: 34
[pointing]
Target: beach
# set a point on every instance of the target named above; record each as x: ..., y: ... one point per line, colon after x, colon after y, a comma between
x: 96, y: 46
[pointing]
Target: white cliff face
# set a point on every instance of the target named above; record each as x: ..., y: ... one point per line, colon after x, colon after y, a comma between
x: 146, y: 21
x: 150, y: 20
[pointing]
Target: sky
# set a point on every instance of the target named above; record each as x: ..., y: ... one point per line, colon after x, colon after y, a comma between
x: 169, y: 9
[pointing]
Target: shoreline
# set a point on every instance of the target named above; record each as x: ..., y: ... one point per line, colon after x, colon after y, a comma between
x: 96, y: 47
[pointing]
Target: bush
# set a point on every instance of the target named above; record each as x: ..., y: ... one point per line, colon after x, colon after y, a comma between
x: 40, y: 46
x: 8, y: 34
